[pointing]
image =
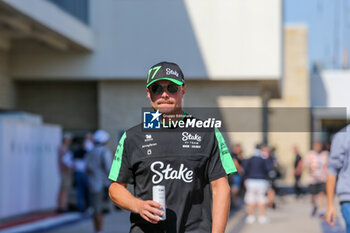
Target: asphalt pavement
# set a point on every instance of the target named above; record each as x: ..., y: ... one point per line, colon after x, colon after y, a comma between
x: 291, y: 216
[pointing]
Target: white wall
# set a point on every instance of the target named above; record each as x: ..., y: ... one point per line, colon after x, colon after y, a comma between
x: 331, y: 89
x: 29, y: 178
x: 238, y: 39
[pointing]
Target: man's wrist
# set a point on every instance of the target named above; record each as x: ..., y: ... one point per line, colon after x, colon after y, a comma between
x: 136, y: 206
x: 216, y: 231
x: 330, y: 205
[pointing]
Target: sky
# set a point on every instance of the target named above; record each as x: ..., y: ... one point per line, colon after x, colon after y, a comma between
x: 329, y: 26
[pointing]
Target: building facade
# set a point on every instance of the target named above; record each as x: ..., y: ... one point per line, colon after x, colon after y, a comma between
x: 85, y: 69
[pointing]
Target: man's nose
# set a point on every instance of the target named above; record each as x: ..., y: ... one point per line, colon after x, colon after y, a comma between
x: 165, y: 94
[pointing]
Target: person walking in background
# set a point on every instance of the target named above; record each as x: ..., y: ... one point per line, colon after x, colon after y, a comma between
x: 88, y: 142
x: 256, y: 170
x: 298, y: 168
x: 272, y: 175
x: 81, y: 177
x: 316, y: 162
x: 98, y: 162
x: 338, y: 178
x: 65, y: 168
x: 237, y: 158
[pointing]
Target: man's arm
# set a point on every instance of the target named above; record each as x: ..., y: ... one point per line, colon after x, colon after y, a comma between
x: 221, y: 204
x: 238, y: 166
x: 335, y: 164
x: 299, y: 168
x: 330, y: 188
x: 123, y: 198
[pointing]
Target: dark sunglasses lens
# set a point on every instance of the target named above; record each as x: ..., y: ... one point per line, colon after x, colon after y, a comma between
x: 157, y: 89
x: 172, y: 88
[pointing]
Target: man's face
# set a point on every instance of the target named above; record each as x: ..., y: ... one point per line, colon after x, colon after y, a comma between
x: 265, y: 150
x: 296, y: 150
x: 67, y: 141
x: 317, y: 146
x: 237, y: 149
x: 166, y: 102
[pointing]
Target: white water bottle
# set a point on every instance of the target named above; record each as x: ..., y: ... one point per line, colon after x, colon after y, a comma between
x: 159, y: 197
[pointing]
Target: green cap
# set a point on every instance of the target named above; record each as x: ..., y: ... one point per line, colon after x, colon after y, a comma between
x: 165, y: 71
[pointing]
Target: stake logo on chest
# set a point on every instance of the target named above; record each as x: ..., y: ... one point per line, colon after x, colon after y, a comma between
x: 169, y: 173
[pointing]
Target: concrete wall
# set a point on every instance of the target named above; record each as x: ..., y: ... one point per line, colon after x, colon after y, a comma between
x: 295, y: 94
x: 251, y: 124
x: 116, y: 105
x: 238, y: 36
x: 230, y: 95
x: 50, y: 16
x: 7, y: 88
x: 120, y: 106
x: 133, y: 35
x: 73, y: 105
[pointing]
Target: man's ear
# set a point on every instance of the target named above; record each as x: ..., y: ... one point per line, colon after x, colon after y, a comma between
x: 183, y: 90
x: 148, y: 94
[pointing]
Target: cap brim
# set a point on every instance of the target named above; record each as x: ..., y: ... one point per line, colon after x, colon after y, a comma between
x: 165, y: 78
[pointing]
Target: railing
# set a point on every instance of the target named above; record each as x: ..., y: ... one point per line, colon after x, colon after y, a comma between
x: 77, y: 8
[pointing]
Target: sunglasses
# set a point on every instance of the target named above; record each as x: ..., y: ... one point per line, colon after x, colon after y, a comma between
x: 159, y: 89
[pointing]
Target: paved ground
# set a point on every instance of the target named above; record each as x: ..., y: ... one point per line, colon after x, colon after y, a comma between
x: 291, y: 216
x: 116, y: 222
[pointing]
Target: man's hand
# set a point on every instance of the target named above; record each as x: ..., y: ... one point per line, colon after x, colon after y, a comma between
x: 331, y: 216
x: 149, y: 210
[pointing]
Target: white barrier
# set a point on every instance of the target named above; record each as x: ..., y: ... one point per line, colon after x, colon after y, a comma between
x: 29, y: 177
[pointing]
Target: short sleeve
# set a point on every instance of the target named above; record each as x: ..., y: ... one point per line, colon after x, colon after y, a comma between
x: 121, y: 170
x: 220, y: 163
x: 338, y: 153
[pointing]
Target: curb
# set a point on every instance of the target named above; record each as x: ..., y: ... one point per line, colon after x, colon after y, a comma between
x: 47, y: 224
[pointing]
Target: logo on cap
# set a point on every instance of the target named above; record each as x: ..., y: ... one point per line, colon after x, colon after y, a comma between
x: 155, y: 69
x: 171, y: 72
x: 165, y: 71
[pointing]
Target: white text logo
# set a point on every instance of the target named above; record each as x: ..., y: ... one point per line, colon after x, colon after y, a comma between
x: 148, y: 138
x: 170, y: 173
x: 187, y: 136
x: 170, y: 71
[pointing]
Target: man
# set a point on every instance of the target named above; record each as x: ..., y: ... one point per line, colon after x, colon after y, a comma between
x: 274, y: 174
x: 256, y: 171
x: 317, y: 161
x: 65, y: 168
x: 298, y: 168
x: 338, y: 178
x: 98, y: 162
x: 191, y: 165
x: 81, y: 179
x: 237, y: 158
